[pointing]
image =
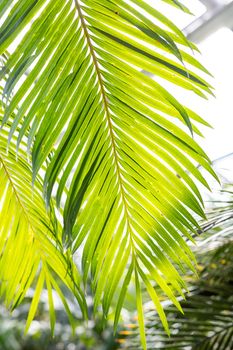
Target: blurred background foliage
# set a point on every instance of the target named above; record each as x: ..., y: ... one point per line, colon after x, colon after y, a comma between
x: 86, y: 335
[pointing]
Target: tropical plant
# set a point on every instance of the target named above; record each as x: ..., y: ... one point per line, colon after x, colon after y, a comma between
x: 30, y: 237
x: 111, y: 150
x: 208, y: 313
x: 207, y: 322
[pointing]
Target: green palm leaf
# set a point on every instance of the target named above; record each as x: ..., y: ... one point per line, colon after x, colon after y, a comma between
x: 207, y: 322
x: 120, y: 144
x: 30, y: 248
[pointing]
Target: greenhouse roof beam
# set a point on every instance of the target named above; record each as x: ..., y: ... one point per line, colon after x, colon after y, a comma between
x: 209, y: 22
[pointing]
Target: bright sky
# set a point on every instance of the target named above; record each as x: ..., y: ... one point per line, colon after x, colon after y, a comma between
x: 217, y: 57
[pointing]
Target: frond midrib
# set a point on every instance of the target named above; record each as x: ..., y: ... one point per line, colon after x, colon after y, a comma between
x: 107, y: 113
x: 24, y: 210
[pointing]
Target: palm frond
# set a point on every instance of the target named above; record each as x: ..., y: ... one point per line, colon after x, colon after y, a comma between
x: 207, y: 325
x: 216, y: 231
x: 31, y: 252
x: 207, y: 322
x: 120, y: 141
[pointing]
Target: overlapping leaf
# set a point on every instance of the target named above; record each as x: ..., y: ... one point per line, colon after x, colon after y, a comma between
x: 120, y: 147
x: 30, y: 238
x: 207, y: 322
